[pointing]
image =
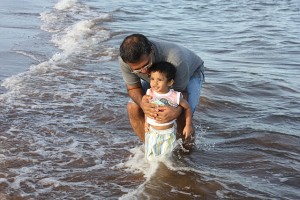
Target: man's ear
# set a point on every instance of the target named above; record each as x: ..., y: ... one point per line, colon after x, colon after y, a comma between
x: 152, y: 49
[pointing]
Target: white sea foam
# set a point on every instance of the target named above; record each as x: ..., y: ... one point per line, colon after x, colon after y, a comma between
x: 49, y: 181
x: 4, y: 180
x: 13, y: 82
x: 51, y: 21
x: 80, y: 36
x: 41, y: 68
x: 65, y: 4
x: 138, y: 164
x: 52, y: 148
x: 77, y: 41
x: 77, y: 36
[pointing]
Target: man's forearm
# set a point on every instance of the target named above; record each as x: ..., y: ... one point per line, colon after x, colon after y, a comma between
x: 136, y: 94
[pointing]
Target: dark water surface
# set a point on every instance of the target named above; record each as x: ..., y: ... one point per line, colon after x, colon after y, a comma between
x: 64, y: 131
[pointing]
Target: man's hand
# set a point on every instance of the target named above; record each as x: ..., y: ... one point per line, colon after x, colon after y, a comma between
x: 148, y: 108
x: 167, y: 113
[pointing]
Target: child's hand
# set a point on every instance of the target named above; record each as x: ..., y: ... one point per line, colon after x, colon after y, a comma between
x: 187, y: 131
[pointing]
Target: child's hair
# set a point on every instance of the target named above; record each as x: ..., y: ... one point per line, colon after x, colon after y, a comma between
x: 164, y: 67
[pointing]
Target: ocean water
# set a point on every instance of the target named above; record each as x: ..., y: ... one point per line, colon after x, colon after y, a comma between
x: 64, y: 130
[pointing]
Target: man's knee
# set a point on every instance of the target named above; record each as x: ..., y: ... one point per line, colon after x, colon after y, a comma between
x: 134, y: 110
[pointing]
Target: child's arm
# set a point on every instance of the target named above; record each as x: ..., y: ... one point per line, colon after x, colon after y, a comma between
x: 188, y: 129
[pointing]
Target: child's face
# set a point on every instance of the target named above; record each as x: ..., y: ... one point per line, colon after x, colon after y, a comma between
x: 159, y: 82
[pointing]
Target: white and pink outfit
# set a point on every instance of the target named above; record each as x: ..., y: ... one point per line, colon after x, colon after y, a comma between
x: 160, y: 142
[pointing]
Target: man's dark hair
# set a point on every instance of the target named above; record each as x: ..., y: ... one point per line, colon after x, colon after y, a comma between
x: 164, y: 67
x: 133, y: 47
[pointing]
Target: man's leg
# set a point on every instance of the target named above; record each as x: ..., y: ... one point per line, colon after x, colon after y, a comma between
x: 193, y: 97
x: 137, y: 116
x: 137, y: 119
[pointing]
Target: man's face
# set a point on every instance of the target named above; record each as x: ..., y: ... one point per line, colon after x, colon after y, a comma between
x: 143, y: 65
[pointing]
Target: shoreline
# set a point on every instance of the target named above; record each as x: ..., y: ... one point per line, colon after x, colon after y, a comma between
x: 19, y: 27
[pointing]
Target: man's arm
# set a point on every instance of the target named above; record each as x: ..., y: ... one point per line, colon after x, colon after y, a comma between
x: 165, y: 114
x: 135, y: 92
x: 169, y: 113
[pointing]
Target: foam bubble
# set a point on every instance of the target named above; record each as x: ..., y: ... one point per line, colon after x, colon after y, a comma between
x: 4, y: 180
x: 282, y: 180
x: 49, y: 181
x: 65, y: 4
x: 40, y: 68
x: 51, y: 21
x: 14, y: 82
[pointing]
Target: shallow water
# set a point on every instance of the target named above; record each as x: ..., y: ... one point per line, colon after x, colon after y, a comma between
x: 64, y: 130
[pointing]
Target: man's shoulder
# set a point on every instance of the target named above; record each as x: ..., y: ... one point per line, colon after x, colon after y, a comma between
x: 122, y: 64
x: 162, y: 43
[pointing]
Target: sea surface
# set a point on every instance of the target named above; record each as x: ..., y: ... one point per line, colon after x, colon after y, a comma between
x: 64, y: 129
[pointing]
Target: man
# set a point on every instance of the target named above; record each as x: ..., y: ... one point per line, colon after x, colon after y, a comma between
x: 137, y: 54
